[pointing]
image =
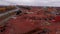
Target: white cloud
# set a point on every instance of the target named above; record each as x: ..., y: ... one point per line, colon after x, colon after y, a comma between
x: 4, y: 3
x: 35, y: 2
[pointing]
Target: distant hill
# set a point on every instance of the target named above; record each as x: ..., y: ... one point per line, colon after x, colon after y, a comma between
x: 6, y: 8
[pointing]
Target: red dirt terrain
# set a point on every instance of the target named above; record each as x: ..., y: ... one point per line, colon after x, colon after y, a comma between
x: 34, y: 21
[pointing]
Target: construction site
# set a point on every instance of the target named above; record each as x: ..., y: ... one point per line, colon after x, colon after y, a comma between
x: 29, y: 17
x: 29, y: 20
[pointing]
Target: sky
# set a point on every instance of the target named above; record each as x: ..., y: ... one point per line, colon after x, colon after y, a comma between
x: 31, y: 2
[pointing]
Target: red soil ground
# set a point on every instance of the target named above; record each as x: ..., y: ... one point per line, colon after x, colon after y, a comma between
x: 24, y: 23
